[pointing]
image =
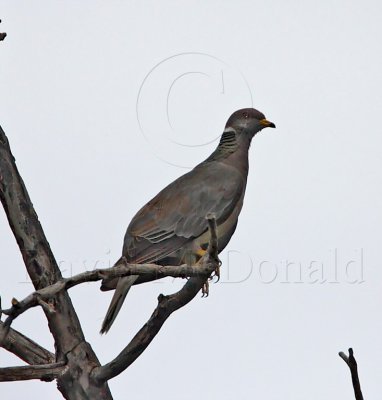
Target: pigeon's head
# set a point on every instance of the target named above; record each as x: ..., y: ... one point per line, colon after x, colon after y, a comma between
x: 248, y: 121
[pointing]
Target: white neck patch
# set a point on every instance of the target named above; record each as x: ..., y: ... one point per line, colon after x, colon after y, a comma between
x: 229, y: 129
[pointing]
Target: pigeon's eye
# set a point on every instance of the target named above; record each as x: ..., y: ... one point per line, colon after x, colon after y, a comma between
x: 245, y: 115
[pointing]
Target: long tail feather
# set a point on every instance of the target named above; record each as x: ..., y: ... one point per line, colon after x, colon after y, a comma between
x: 123, y: 286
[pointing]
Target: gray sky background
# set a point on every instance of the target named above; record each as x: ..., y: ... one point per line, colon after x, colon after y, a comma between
x: 302, y: 276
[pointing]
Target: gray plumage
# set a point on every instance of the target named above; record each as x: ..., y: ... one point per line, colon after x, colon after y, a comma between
x: 171, y: 229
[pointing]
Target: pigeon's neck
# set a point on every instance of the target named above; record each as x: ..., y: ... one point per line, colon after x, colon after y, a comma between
x: 232, y: 150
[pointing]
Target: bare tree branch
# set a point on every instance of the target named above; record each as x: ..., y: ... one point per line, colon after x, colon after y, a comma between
x: 25, y: 348
x: 122, y: 268
x: 43, y: 271
x: 166, y: 306
x: 34, y: 247
x: 46, y: 372
x: 352, y: 364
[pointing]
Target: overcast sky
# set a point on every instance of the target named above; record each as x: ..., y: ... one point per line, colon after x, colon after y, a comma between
x: 106, y: 102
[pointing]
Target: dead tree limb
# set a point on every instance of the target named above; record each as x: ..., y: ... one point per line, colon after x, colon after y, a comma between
x: 25, y: 348
x: 43, y: 271
x: 352, y: 364
x: 44, y: 372
x: 122, y: 268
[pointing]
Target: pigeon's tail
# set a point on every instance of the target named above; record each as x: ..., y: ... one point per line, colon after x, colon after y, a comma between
x: 123, y: 286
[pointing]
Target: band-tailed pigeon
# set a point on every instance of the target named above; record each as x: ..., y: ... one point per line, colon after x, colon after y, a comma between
x: 171, y: 229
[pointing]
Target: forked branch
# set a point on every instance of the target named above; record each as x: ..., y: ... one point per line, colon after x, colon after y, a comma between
x: 43, y: 271
x: 352, y: 364
x: 25, y: 348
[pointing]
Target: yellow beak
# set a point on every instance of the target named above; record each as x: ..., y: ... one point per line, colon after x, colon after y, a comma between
x: 267, y: 123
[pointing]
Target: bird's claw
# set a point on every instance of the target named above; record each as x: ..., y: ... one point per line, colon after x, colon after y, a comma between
x: 206, y: 289
x: 206, y: 285
x: 217, y: 271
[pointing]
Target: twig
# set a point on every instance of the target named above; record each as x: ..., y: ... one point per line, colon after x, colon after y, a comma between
x: 23, y: 347
x: 352, y: 364
x: 46, y: 372
x: 166, y: 306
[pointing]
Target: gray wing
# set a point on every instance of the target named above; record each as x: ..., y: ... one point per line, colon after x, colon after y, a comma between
x: 177, y: 214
